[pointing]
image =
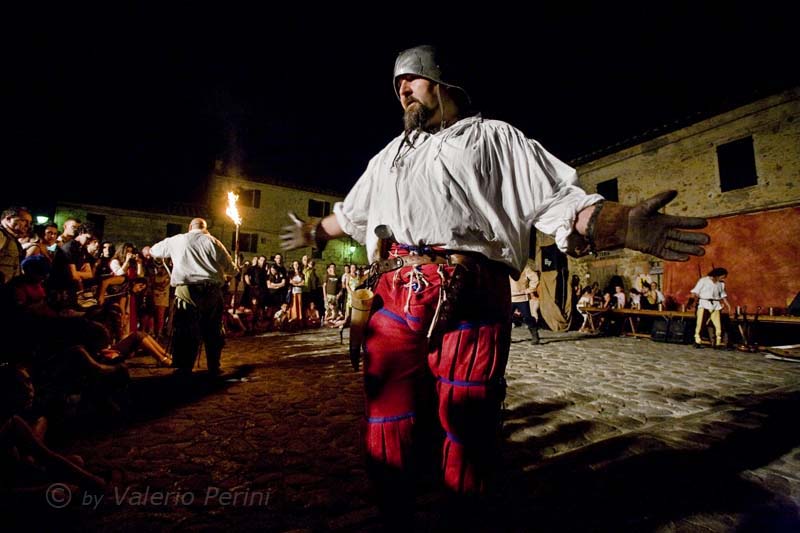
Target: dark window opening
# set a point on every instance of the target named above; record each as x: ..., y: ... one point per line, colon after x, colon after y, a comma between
x: 250, y: 198
x: 737, y: 165
x: 248, y: 242
x: 318, y: 208
x: 173, y: 229
x: 609, y: 190
x: 99, y: 222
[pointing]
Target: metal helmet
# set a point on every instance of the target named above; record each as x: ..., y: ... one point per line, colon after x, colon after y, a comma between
x: 426, y: 61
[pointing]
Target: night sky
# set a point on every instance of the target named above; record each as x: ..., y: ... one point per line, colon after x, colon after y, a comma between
x: 131, y: 106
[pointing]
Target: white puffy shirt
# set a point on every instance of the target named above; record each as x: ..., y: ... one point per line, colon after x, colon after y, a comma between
x: 709, y: 293
x: 478, y: 185
x: 197, y: 257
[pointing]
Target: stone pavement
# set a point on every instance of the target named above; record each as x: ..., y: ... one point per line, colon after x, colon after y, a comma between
x: 601, y: 434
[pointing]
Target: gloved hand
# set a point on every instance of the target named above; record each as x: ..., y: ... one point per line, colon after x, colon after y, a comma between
x: 300, y: 234
x: 642, y: 227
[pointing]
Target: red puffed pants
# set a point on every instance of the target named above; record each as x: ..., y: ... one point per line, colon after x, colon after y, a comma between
x: 468, y: 368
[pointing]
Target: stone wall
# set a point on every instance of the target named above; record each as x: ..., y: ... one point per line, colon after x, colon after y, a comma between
x: 268, y: 219
x: 686, y: 160
x: 124, y: 225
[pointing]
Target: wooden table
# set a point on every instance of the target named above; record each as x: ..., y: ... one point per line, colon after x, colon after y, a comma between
x: 745, y: 321
x: 631, y: 317
x: 591, y: 314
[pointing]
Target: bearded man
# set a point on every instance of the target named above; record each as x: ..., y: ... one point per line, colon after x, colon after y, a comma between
x: 458, y: 196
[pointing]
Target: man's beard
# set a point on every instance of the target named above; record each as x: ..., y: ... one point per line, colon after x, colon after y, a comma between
x: 416, y: 116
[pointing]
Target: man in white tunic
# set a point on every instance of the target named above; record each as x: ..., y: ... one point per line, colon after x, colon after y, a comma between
x: 458, y: 196
x: 199, y: 265
x: 710, y: 294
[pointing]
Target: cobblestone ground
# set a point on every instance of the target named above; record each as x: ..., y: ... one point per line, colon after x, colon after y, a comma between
x: 601, y: 434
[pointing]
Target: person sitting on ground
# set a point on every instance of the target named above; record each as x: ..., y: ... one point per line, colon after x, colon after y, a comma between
x: 330, y: 314
x: 136, y: 342
x: 28, y: 289
x: 313, y: 320
x: 281, y: 317
x: 232, y: 322
x: 29, y: 467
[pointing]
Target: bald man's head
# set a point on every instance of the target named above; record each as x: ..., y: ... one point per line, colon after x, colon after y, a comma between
x: 198, y: 223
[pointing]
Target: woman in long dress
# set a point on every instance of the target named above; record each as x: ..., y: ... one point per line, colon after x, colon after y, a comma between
x: 296, y: 280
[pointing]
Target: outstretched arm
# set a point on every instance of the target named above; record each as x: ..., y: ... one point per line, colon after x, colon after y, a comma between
x: 609, y: 225
x: 300, y: 234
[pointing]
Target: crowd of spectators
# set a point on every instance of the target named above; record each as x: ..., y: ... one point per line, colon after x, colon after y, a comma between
x: 276, y: 297
x: 77, y: 308
x: 62, y: 349
x: 643, y: 294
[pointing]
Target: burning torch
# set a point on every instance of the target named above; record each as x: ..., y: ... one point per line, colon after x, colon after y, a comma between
x: 233, y: 213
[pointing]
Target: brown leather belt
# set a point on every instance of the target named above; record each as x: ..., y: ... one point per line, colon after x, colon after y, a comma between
x: 466, y: 260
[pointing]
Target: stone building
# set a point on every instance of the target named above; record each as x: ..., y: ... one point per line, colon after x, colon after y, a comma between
x: 138, y: 227
x: 262, y: 206
x: 740, y: 169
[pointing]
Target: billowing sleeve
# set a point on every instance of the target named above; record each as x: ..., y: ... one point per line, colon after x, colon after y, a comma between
x: 560, y: 197
x: 352, y: 214
x: 160, y: 250
x: 546, y: 189
x: 697, y: 287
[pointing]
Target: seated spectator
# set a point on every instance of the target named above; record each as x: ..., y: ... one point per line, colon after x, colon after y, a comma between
x: 635, y: 299
x: 29, y: 466
x: 331, y: 313
x: 28, y: 289
x: 649, y: 300
x: 313, y: 319
x: 280, y: 319
x: 585, y: 300
x: 660, y: 299
x: 134, y: 343
x: 232, y: 322
x: 619, y: 297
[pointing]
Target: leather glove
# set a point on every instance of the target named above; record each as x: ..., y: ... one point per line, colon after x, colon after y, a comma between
x: 300, y: 234
x: 643, y: 228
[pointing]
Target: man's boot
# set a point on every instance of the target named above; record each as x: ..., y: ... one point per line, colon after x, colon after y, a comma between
x: 534, y: 334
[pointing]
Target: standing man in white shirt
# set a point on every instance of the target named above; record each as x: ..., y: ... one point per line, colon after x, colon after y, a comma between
x: 710, y: 294
x: 199, y: 265
x: 458, y: 195
x: 523, y: 297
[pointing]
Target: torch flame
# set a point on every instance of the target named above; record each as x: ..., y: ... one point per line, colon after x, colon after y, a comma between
x: 232, y: 211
